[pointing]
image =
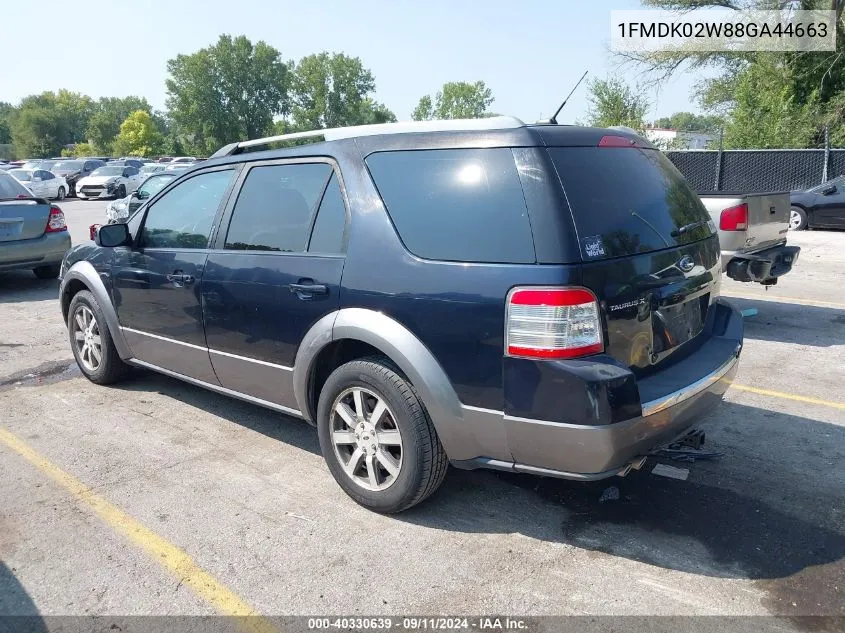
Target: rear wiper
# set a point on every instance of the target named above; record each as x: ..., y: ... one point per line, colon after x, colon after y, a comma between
x: 649, y: 224
x: 687, y: 227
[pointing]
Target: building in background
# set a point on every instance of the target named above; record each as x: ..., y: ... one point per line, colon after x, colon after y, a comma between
x: 673, y: 139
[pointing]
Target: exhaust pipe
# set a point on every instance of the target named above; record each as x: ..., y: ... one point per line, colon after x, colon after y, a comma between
x: 634, y: 464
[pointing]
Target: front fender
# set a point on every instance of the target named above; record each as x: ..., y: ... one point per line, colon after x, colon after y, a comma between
x: 402, y: 347
x: 85, y: 273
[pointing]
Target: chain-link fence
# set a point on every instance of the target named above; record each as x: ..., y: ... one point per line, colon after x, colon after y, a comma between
x: 755, y: 171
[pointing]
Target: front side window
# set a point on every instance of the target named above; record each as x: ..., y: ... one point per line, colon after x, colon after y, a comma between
x: 275, y: 207
x: 183, y: 217
x: 153, y: 185
x: 463, y: 205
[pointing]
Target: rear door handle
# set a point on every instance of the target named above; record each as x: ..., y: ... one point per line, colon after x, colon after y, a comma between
x: 308, y: 289
x: 180, y: 278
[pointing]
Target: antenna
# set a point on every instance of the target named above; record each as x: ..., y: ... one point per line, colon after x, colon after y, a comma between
x: 554, y: 116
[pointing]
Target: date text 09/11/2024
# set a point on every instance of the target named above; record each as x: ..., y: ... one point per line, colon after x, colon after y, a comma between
x: 419, y: 623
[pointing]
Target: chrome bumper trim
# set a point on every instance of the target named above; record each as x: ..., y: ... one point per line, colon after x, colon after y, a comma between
x: 676, y: 397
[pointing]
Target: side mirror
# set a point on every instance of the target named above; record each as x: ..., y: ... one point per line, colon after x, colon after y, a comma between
x: 112, y: 235
x: 829, y: 190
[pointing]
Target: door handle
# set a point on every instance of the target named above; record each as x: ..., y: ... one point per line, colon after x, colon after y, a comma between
x: 180, y: 278
x: 305, y: 290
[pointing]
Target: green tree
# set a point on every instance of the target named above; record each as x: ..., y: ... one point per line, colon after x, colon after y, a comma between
x: 7, y: 111
x: 109, y: 114
x: 44, y: 123
x: 333, y: 90
x: 456, y: 100
x: 689, y: 122
x: 228, y: 92
x: 786, y: 97
x: 139, y: 135
x: 614, y: 102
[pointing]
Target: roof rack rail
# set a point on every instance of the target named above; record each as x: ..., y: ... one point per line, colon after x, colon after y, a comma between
x: 405, y: 127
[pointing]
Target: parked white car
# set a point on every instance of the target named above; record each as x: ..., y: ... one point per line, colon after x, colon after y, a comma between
x: 42, y: 183
x: 109, y: 181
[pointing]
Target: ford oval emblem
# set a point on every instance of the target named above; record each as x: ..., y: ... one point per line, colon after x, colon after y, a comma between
x: 686, y: 264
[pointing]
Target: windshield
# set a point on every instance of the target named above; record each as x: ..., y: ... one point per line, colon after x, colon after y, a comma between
x: 32, y: 164
x: 155, y: 184
x: 148, y: 169
x: 113, y: 170
x: 68, y: 165
x: 21, y: 174
x: 836, y: 182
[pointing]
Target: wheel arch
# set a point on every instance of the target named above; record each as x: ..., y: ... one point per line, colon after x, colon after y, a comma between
x: 83, y: 276
x: 367, y: 331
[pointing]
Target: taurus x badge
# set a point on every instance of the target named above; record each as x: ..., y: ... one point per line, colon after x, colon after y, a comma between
x: 686, y: 264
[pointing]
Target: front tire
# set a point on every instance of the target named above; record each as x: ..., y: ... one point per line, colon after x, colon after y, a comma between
x: 377, y: 438
x: 61, y: 194
x: 797, y: 219
x: 121, y: 192
x: 91, y: 341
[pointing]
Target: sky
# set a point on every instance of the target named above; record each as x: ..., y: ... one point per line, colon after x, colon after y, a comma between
x: 530, y: 53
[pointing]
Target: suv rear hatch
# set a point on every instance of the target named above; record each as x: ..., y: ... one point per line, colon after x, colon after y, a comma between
x: 649, y: 249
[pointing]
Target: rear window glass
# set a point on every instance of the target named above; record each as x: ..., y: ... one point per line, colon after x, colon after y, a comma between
x: 626, y: 201
x: 11, y: 188
x: 456, y: 205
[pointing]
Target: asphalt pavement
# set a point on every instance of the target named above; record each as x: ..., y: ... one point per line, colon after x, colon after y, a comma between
x: 155, y: 497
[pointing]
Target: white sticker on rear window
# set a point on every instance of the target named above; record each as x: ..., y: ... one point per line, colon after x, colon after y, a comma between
x: 593, y: 246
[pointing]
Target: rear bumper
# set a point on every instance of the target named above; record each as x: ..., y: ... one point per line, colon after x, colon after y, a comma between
x: 590, y: 452
x: 763, y: 266
x: 50, y: 248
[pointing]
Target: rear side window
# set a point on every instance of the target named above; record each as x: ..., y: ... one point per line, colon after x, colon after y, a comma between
x: 329, y: 231
x: 461, y: 205
x: 626, y: 201
x: 275, y: 207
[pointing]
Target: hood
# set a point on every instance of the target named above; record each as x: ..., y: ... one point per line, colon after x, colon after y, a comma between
x: 97, y: 180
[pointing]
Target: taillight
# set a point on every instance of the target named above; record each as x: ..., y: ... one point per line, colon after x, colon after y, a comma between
x: 734, y: 218
x: 552, y: 323
x: 612, y: 140
x: 56, y: 220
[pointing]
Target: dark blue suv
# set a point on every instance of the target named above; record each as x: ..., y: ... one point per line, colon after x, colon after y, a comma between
x: 532, y: 298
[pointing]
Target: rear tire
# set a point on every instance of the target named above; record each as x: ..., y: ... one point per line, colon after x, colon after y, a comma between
x: 91, y: 341
x: 797, y: 219
x: 400, y: 461
x: 61, y: 194
x: 47, y: 272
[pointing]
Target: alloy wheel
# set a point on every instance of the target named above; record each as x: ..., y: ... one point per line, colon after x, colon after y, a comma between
x: 794, y: 219
x: 86, y: 334
x: 366, y: 438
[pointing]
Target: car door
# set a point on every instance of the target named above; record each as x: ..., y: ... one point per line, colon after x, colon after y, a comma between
x: 831, y: 212
x: 51, y: 184
x: 37, y: 184
x: 275, y: 271
x: 156, y: 281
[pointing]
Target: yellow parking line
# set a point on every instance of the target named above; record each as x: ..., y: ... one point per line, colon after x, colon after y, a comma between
x: 751, y: 296
x: 790, y: 396
x: 165, y: 553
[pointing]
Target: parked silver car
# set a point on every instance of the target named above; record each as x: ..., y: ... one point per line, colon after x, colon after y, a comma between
x: 33, y: 232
